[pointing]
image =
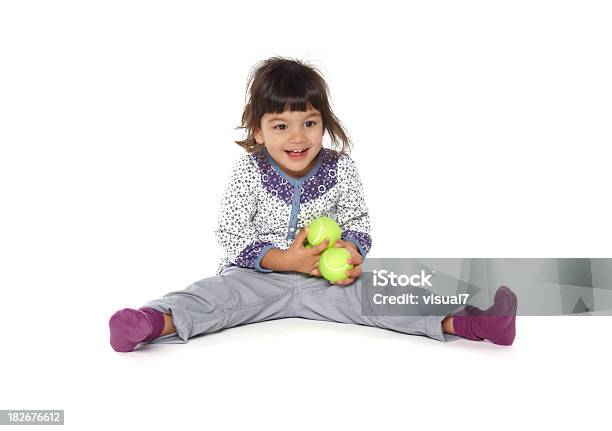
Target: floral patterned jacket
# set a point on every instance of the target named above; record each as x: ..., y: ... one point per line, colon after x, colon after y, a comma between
x: 263, y: 208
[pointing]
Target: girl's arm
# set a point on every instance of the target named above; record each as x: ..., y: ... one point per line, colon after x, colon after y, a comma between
x: 353, y: 216
x: 235, y: 231
x: 275, y: 260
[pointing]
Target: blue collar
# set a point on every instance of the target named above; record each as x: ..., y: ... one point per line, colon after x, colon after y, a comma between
x: 291, y: 180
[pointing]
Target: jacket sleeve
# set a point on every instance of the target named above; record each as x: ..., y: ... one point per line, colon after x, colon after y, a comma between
x: 352, y: 215
x: 235, y: 232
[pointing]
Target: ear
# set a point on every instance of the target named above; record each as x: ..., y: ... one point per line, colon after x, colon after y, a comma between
x: 258, y: 136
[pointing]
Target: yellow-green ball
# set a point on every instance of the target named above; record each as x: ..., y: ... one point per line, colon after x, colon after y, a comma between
x: 323, y: 228
x: 332, y: 264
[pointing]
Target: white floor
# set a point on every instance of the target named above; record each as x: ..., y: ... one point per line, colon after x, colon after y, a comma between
x: 300, y: 374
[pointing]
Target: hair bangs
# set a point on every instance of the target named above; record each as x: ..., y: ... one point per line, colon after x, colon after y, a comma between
x: 292, y: 92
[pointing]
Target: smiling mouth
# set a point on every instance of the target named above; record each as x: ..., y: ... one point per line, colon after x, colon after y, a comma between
x: 297, y: 154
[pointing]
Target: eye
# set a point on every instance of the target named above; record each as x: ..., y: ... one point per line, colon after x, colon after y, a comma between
x: 310, y: 123
x: 280, y: 127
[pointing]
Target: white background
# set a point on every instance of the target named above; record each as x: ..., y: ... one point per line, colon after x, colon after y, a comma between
x: 481, y: 129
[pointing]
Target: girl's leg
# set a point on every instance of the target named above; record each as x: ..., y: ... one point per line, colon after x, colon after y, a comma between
x: 238, y: 296
x: 447, y: 325
x: 323, y: 301
x: 168, y: 325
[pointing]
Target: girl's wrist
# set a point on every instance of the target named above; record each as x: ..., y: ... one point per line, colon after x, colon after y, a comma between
x: 351, y: 244
x: 276, y: 260
x: 284, y: 261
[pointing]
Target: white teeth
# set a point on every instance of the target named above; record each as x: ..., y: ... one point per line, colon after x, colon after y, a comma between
x: 296, y: 151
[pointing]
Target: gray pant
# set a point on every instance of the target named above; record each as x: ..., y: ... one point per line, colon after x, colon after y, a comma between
x: 239, y: 296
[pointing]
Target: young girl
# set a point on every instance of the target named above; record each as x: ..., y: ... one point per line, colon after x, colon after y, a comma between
x: 284, y: 181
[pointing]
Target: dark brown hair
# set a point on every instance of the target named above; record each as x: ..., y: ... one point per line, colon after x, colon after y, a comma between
x: 279, y: 83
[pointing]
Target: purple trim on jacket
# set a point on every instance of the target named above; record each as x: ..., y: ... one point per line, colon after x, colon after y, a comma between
x: 317, y: 185
x: 271, y: 180
x: 248, y: 258
x: 324, y: 179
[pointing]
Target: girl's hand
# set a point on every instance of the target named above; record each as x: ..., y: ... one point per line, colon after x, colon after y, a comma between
x: 301, y: 259
x: 356, y: 260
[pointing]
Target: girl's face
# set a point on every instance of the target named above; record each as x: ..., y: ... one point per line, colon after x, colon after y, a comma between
x: 293, y: 139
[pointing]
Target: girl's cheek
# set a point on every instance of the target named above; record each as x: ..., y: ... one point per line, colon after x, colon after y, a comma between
x: 315, y: 134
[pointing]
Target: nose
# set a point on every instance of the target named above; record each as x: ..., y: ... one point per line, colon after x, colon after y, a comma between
x: 297, y: 136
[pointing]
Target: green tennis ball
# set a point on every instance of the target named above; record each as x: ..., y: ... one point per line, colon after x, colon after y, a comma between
x: 332, y: 263
x: 323, y: 228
